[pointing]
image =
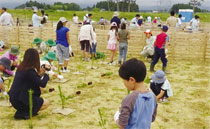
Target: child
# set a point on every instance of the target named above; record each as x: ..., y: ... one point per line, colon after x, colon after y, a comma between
x: 94, y: 45
x: 148, y: 50
x: 139, y: 108
x: 47, y: 63
x: 124, y: 36
x: 12, y: 55
x: 4, y: 64
x: 112, y: 41
x: 161, y: 86
x: 160, y: 46
x: 40, y: 46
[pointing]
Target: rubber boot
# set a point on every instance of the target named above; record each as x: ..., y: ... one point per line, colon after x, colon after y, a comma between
x: 165, y: 70
x: 152, y: 68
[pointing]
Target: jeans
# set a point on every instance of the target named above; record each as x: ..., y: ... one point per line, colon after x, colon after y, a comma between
x: 123, y: 49
x: 160, y: 53
x: 93, y: 48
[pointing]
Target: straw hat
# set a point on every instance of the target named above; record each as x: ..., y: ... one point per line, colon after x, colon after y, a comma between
x: 116, y: 14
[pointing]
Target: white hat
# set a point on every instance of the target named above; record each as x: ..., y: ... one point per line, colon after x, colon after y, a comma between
x: 155, y: 17
x: 148, y: 31
x: 141, y: 17
x: 116, y: 14
x: 35, y: 10
x: 86, y: 15
x: 63, y: 19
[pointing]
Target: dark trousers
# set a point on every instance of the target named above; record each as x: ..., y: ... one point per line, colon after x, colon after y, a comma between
x: 160, y: 54
x: 156, y: 89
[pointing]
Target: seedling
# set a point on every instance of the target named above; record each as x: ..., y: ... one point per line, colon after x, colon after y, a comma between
x: 102, y: 121
x: 107, y: 74
x: 30, y: 108
x: 62, y: 97
x: 128, y: 91
x: 83, y: 85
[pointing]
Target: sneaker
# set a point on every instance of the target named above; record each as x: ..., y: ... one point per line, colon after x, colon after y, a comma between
x: 161, y: 100
x: 165, y: 100
x: 66, y: 71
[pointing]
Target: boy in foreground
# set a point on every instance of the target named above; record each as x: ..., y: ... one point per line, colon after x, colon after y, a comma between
x: 139, y: 108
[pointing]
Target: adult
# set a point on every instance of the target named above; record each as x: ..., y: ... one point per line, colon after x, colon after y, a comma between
x: 6, y: 21
x: 134, y: 21
x: 45, y: 18
x: 102, y: 21
x: 172, y: 20
x: 116, y: 19
x: 75, y: 19
x: 85, y: 37
x: 36, y: 19
x: 195, y: 22
x: 179, y: 23
x: 29, y: 76
x: 6, y: 18
x: 149, y: 19
x: 63, y: 42
x: 85, y: 18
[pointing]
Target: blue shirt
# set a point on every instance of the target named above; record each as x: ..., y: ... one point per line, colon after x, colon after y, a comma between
x: 61, y: 36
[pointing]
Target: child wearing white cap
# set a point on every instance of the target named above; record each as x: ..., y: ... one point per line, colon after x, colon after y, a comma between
x: 161, y: 86
x: 148, y: 50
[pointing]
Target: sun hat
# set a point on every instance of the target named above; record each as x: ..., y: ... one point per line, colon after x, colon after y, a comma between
x: 158, y: 77
x: 141, y: 17
x: 155, y: 17
x: 148, y: 31
x: 86, y: 14
x: 6, y: 63
x: 116, y: 14
x: 14, y: 50
x: 165, y: 27
x: 51, y: 55
x: 63, y: 19
x: 37, y: 41
x: 50, y: 43
x: 114, y: 24
x: 35, y: 10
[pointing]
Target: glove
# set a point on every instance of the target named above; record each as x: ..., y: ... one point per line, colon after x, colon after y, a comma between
x: 5, y: 93
x: 116, y: 116
x: 60, y: 76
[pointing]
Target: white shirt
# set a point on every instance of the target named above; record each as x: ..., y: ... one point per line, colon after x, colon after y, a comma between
x: 86, y: 33
x: 167, y: 86
x: 134, y: 22
x: 150, y: 41
x: 149, y: 19
x: 195, y: 23
x: 75, y: 19
x: 36, y: 20
x: 6, y: 19
x: 94, y: 38
x: 112, y: 37
x: 179, y: 23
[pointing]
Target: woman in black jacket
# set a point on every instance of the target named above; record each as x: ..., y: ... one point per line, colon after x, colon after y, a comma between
x: 28, y: 77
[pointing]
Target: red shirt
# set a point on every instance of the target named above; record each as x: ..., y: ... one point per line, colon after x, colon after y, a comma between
x: 161, y: 39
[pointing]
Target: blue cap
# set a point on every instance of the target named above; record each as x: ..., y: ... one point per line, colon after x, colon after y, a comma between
x: 165, y: 28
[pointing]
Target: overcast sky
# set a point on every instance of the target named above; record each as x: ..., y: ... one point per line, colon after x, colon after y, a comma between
x: 143, y: 4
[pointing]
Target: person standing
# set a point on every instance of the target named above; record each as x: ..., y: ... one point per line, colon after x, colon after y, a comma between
x: 75, y: 19
x: 29, y: 76
x: 63, y: 42
x: 172, y: 20
x: 6, y: 21
x: 179, y: 23
x: 85, y: 38
x: 116, y: 19
x: 36, y: 19
x: 160, y: 47
x: 124, y: 36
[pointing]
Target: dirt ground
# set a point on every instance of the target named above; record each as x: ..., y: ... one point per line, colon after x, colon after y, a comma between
x: 188, y: 109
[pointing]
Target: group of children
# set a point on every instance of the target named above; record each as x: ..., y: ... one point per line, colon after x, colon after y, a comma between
x: 139, y: 108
